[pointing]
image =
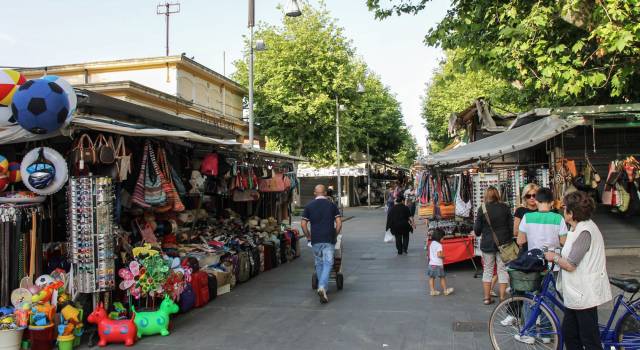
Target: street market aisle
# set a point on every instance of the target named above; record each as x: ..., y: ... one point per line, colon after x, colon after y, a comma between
x: 384, y: 304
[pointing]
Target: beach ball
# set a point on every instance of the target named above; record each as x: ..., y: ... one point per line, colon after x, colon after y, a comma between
x: 6, y: 117
x: 71, y: 94
x: 4, y: 164
x: 4, y: 182
x: 14, y: 172
x: 40, y: 106
x: 9, y: 82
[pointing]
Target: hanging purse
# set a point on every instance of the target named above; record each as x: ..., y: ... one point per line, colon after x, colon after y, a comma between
x: 173, y: 199
x: 123, y: 161
x: 139, y: 190
x: 105, y: 150
x: 153, y: 192
x: 84, y: 152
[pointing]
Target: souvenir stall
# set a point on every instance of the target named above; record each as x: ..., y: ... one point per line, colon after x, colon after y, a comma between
x: 445, y: 203
x: 100, y: 221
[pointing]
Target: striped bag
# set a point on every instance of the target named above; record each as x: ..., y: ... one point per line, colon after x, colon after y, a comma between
x: 138, y: 192
x: 154, y: 182
x: 173, y: 199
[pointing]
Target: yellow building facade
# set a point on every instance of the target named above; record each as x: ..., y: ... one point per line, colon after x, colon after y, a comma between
x: 173, y: 84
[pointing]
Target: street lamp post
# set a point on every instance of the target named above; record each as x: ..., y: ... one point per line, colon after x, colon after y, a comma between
x: 368, y: 174
x: 293, y: 10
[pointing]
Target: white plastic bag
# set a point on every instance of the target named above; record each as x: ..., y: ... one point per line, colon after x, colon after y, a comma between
x: 388, y: 237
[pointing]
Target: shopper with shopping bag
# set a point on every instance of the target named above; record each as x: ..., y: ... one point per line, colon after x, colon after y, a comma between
x: 400, y: 223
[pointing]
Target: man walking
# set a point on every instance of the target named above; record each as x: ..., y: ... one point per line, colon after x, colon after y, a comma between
x: 326, y: 224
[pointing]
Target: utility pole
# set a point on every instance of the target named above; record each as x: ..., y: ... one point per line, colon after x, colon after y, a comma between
x: 167, y: 9
x: 368, y: 175
x: 338, y: 154
x: 251, y: 24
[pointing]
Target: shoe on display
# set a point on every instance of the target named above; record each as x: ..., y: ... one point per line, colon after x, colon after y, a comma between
x: 508, y: 321
x: 525, y: 339
x: 323, y: 295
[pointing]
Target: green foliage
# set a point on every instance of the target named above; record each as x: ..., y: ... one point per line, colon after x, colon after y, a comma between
x: 453, y: 90
x: 561, y: 52
x: 308, y: 63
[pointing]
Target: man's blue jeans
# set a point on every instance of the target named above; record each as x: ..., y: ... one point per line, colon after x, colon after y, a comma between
x: 324, y: 262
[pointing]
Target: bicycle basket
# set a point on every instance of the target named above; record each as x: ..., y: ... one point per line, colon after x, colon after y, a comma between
x: 525, y: 281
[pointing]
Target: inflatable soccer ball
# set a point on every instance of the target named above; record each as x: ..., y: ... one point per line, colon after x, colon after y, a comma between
x: 40, y: 106
x: 9, y: 82
x: 68, y: 89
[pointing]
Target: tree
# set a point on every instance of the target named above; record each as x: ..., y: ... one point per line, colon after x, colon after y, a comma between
x: 558, y: 51
x: 308, y: 63
x: 453, y: 89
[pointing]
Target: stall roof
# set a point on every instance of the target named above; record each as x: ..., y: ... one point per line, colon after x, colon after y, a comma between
x: 276, y: 155
x: 507, y: 142
x: 117, y: 128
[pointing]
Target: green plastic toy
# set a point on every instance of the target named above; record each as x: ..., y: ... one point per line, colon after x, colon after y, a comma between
x: 155, y: 322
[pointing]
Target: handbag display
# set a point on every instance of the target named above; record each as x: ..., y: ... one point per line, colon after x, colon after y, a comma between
x: 508, y: 251
x: 209, y: 165
x: 447, y: 210
x: 139, y: 190
x: 105, y: 150
x: 275, y: 184
x: 426, y: 211
x: 245, y: 196
x: 173, y: 199
x: 84, y: 152
x: 122, y: 160
x: 154, y: 194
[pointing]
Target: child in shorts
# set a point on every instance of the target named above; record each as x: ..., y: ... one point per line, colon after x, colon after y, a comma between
x: 436, y: 265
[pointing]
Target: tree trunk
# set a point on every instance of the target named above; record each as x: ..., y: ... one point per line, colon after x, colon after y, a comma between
x: 299, y: 148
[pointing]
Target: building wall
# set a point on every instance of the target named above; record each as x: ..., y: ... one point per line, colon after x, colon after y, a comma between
x: 205, y: 93
x: 160, y: 78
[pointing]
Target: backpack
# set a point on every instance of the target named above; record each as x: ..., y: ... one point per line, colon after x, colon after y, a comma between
x: 200, y: 284
x: 187, y: 298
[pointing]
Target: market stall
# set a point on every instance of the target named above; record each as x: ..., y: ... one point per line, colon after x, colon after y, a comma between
x: 100, y: 217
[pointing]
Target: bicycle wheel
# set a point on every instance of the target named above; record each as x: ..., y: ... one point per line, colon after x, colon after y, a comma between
x: 510, y: 316
x: 629, y: 332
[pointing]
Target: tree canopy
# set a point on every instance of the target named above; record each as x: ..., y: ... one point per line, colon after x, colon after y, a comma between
x: 453, y: 89
x: 309, y: 62
x: 557, y: 51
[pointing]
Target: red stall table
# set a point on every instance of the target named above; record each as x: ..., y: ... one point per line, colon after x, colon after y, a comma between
x: 457, y: 249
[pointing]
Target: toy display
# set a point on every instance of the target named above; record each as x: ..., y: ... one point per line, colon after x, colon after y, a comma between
x: 10, y: 80
x: 113, y: 331
x: 68, y: 89
x: 155, y: 322
x: 6, y: 117
x: 14, y: 172
x: 44, y: 171
x: 40, y: 106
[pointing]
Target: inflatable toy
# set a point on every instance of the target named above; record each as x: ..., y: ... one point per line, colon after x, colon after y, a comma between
x: 155, y: 322
x: 40, y: 106
x: 112, y: 331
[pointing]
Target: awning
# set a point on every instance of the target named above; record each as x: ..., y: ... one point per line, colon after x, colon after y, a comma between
x: 147, y: 132
x: 16, y: 134
x: 507, y: 142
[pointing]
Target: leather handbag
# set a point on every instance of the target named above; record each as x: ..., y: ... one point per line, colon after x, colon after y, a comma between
x: 84, y: 152
x: 508, y: 251
x: 275, y: 184
x: 105, y: 150
x: 122, y: 160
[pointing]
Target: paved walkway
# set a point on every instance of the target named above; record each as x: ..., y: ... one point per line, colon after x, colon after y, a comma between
x: 383, y: 305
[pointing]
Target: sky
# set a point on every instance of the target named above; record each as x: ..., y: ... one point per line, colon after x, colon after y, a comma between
x: 73, y: 31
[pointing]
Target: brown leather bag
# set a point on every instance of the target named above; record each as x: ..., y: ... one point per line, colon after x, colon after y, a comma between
x: 84, y: 152
x: 105, y: 150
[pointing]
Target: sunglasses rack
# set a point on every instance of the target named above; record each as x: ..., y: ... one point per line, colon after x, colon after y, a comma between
x: 482, y: 181
x: 90, y: 225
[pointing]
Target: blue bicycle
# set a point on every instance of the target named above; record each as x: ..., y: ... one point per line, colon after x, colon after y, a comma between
x: 530, y: 321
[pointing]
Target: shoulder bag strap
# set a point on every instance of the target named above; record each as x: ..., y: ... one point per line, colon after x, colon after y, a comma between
x: 120, y: 149
x: 486, y: 217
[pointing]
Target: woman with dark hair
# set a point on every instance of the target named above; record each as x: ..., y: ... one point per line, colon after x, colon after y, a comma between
x: 400, y: 222
x: 584, y: 283
x: 494, y: 219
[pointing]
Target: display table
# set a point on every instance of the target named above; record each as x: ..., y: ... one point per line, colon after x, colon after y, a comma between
x: 457, y: 249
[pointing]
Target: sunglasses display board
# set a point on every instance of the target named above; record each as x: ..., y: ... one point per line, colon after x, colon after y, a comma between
x: 91, y: 238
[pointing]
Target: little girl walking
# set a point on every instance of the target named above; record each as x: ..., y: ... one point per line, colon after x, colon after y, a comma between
x: 436, y: 265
